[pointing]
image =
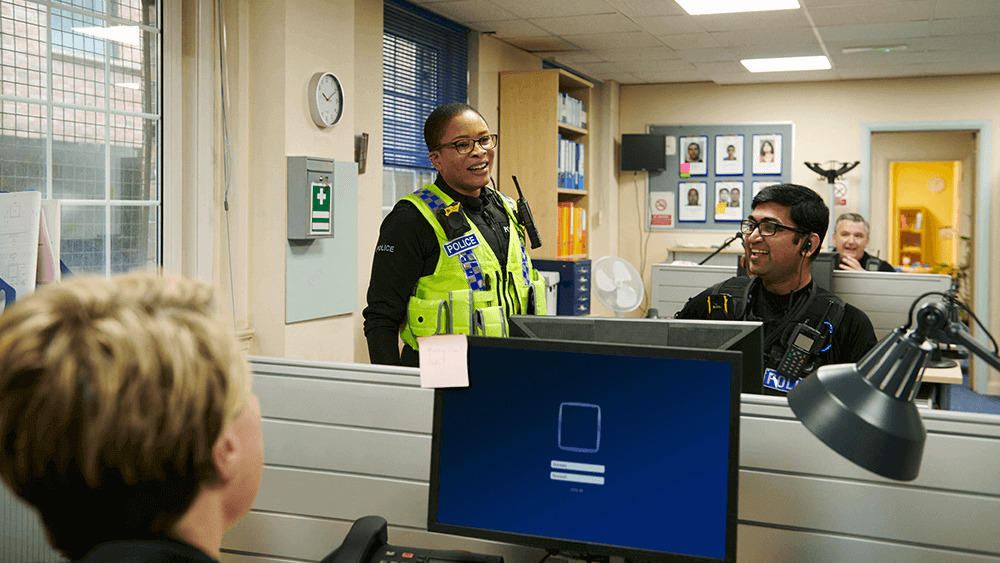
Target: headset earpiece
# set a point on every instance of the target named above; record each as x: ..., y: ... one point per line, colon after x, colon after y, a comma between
x: 807, y: 246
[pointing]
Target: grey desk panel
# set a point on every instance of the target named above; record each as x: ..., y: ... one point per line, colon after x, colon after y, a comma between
x: 351, y: 403
x: 347, y: 497
x: 834, y: 511
x: 297, y: 537
x: 890, y: 512
x: 775, y: 545
x: 350, y: 450
x: 956, y: 451
x: 405, y: 376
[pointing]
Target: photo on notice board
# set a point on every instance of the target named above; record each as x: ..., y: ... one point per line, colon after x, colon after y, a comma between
x: 694, y: 152
x: 766, y: 154
x: 758, y: 186
x: 729, y: 155
x: 728, y: 201
x: 692, y: 195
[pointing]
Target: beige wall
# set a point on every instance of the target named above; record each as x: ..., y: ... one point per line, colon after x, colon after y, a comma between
x: 829, y: 118
x: 275, y: 46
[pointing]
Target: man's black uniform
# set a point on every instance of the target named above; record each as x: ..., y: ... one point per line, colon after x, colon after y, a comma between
x: 852, y: 337
x: 407, y: 250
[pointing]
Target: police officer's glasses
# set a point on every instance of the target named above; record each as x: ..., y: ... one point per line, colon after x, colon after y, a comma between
x: 464, y: 146
x: 767, y: 229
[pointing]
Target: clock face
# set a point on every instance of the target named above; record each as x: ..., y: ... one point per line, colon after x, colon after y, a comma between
x: 327, y: 107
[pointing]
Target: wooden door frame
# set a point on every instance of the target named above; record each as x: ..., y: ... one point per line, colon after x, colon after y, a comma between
x: 981, y: 220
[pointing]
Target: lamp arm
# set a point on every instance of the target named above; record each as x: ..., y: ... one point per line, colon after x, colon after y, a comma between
x: 956, y: 334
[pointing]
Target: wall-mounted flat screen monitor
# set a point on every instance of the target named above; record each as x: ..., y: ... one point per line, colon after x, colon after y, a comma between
x: 745, y: 337
x: 644, y: 152
x: 591, y: 449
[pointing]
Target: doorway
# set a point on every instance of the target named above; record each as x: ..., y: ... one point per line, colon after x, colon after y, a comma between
x: 924, y: 210
x: 967, y: 141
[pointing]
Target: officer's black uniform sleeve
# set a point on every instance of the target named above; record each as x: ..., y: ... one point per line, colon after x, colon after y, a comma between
x: 696, y: 307
x: 854, y: 338
x: 407, y: 250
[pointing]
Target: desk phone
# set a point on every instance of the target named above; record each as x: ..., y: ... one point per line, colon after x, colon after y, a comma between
x: 367, y: 542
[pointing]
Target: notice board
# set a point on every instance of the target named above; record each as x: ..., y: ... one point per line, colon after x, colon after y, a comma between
x: 713, y: 172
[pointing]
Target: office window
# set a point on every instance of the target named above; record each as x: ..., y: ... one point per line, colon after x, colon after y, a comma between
x: 80, y: 122
x: 424, y: 65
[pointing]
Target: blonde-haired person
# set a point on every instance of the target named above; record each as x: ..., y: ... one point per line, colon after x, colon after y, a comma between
x: 127, y: 418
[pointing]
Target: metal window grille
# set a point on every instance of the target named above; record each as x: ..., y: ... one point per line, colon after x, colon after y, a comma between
x: 80, y: 122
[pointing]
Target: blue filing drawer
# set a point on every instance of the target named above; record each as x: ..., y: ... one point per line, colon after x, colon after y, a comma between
x: 574, y: 284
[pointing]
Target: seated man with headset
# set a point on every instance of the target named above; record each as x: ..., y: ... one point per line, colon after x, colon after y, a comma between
x: 805, y: 326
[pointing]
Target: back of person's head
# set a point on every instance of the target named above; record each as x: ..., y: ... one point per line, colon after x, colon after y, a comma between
x: 439, y: 119
x: 113, y: 392
x: 805, y: 207
x: 852, y: 217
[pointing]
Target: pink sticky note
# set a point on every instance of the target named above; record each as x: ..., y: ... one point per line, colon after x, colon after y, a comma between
x: 685, y: 168
x: 444, y: 361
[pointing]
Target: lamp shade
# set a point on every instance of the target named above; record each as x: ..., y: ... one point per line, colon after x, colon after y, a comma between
x: 865, y: 411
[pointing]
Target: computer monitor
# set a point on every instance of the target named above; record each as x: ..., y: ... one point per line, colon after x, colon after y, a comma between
x: 643, y: 152
x: 745, y: 337
x: 591, y: 449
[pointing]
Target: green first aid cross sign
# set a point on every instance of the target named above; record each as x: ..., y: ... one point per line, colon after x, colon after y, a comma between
x: 322, y: 203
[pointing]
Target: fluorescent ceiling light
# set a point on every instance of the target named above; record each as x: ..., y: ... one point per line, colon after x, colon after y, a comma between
x: 128, y: 34
x: 700, y: 7
x: 784, y: 64
x: 881, y: 49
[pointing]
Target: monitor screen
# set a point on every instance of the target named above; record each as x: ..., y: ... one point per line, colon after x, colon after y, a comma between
x: 644, y: 152
x: 591, y: 449
x: 745, y: 337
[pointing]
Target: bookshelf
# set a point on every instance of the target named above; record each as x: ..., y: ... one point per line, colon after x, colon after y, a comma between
x: 911, y: 245
x: 530, y: 129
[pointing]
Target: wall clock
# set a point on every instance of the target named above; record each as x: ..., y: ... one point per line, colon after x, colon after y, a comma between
x: 326, y: 99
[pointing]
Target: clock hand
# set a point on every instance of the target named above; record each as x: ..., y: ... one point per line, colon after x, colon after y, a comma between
x: 325, y: 96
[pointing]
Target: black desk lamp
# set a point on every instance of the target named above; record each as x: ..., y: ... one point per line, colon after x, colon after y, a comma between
x: 865, y: 411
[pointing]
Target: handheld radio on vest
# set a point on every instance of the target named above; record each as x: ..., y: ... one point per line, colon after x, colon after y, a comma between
x: 805, y: 342
x: 524, y: 217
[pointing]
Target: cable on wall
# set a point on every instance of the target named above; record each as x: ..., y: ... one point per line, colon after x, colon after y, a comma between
x: 227, y: 157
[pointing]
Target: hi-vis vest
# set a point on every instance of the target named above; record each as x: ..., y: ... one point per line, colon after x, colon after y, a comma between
x: 469, y: 292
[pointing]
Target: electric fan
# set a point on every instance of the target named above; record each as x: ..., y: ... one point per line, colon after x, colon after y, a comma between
x: 617, y: 284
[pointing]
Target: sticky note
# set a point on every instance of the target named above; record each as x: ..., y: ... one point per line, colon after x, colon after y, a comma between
x: 720, y: 207
x: 444, y: 361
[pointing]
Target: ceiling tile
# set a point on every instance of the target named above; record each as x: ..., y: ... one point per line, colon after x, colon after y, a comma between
x: 707, y: 55
x: 533, y: 44
x: 796, y: 35
x: 644, y: 54
x: 965, y: 26
x: 595, y: 41
x: 663, y: 25
x: 554, y: 8
x: 672, y: 77
x: 465, y: 11
x: 942, y: 9
x: 969, y: 67
x: 582, y: 25
x: 509, y: 28
x: 570, y: 57
x: 688, y: 41
x: 647, y: 8
x: 874, y: 12
x: 721, y: 67
x: 875, y: 31
x: 807, y: 49
x: 759, y: 21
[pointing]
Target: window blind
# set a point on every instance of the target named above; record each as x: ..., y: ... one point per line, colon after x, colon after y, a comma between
x: 424, y: 65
